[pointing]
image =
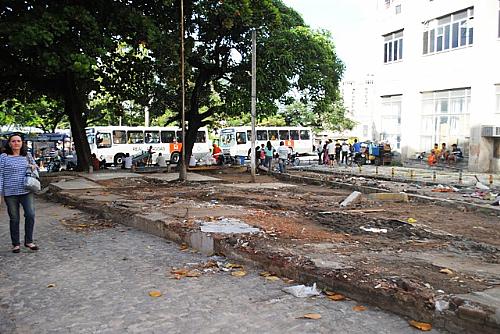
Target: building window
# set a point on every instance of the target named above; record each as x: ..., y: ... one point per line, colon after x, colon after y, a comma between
x: 398, y: 9
x: 449, y: 32
x: 390, y: 129
x: 393, y: 47
x: 445, y: 118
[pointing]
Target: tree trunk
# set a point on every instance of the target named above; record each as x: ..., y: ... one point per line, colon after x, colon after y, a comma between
x: 191, y: 133
x: 74, y: 107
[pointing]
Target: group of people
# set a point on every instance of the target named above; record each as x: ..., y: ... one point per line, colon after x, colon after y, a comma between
x: 330, y: 153
x: 444, y: 154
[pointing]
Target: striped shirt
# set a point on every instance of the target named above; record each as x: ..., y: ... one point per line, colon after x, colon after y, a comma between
x: 13, y: 173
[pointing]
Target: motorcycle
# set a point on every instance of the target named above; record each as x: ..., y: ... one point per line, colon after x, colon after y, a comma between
x: 54, y: 166
x: 358, y: 158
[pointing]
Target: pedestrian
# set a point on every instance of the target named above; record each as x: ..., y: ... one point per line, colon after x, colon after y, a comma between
x: 161, y: 161
x: 14, y: 163
x: 150, y: 156
x: 325, y: 153
x: 262, y: 154
x: 319, y: 150
x: 282, y: 156
x: 269, y: 156
x: 345, y: 152
x: 338, y: 150
x: 331, y: 152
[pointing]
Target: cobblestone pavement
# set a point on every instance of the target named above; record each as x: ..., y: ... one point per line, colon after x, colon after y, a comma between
x: 102, y: 279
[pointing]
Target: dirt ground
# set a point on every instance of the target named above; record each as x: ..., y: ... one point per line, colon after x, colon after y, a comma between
x: 306, y: 220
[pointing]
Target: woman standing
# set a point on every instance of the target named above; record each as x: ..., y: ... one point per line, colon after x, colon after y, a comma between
x: 13, y: 166
x: 269, y: 151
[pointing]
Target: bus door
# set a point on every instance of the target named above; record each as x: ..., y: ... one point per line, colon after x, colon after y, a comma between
x: 169, y: 138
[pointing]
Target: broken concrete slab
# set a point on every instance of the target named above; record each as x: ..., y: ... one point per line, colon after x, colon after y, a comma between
x: 228, y: 226
x: 76, y: 184
x: 101, y: 176
x: 353, y: 198
x: 389, y: 197
x: 459, y: 263
x: 271, y: 185
x: 170, y: 177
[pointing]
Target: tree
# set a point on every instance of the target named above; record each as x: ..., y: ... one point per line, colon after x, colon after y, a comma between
x: 332, y: 118
x: 291, y: 57
x: 56, y: 48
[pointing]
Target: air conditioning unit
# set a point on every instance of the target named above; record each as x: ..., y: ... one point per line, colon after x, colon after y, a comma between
x: 490, y: 131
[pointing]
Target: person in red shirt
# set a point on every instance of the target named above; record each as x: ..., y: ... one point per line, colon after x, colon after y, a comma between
x: 431, y: 160
x: 217, y: 154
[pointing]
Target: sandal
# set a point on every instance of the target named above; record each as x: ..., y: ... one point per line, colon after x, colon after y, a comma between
x: 31, y: 246
x: 16, y: 249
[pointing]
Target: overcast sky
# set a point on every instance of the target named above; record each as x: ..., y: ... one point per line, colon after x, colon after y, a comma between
x: 351, y: 24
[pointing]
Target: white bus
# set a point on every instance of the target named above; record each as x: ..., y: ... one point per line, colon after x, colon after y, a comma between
x: 236, y: 141
x: 113, y: 142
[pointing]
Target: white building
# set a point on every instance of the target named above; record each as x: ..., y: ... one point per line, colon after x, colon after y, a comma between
x: 359, y: 99
x: 439, y: 76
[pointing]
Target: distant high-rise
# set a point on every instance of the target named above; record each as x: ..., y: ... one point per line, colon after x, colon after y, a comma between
x: 359, y: 100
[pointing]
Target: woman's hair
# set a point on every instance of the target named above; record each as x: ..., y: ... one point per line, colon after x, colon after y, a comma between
x: 24, y: 148
x: 269, y: 146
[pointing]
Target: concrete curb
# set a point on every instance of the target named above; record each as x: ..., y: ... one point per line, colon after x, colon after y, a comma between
x: 463, y: 316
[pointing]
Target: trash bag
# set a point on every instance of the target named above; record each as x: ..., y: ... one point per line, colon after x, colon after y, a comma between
x: 302, y: 291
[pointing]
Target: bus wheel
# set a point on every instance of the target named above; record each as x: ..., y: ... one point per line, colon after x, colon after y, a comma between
x: 118, y: 160
x: 175, y: 157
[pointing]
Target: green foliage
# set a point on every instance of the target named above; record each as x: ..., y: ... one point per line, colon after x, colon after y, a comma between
x: 44, y: 113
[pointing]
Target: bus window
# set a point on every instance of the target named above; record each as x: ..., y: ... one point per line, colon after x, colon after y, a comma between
x: 200, y: 137
x: 305, y: 135
x: 294, y: 134
x: 152, y: 137
x: 249, y: 135
x: 135, y: 137
x: 167, y: 136
x: 284, y: 135
x: 261, y: 135
x: 227, y: 139
x: 103, y: 140
x: 119, y: 137
x: 273, y: 134
x: 179, y: 136
x: 240, y: 138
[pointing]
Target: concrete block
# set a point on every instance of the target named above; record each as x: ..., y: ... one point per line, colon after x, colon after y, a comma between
x: 389, y: 197
x: 353, y: 198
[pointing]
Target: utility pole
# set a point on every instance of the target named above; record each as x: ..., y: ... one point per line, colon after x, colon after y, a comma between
x: 183, y: 168
x: 254, y: 103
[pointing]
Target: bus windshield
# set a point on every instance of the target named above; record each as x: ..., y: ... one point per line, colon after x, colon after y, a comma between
x: 227, y: 139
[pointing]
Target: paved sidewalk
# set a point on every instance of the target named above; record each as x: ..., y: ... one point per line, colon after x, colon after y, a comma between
x: 102, y: 278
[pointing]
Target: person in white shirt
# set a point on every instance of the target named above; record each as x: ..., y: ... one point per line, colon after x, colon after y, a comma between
x: 161, y: 161
x: 127, y: 161
x: 345, y: 152
x: 331, y: 151
x: 282, y: 156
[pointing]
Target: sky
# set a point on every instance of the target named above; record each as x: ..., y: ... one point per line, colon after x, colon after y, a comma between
x: 352, y: 28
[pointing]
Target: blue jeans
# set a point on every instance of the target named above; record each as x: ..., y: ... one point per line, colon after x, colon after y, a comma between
x: 28, y: 203
x: 282, y: 165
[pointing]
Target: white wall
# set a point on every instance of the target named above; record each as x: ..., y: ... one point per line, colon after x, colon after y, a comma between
x: 476, y: 66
